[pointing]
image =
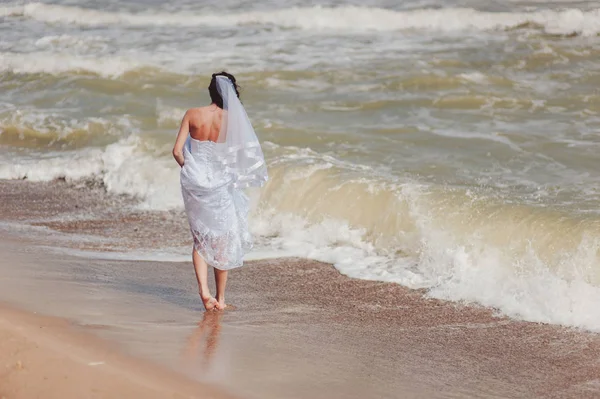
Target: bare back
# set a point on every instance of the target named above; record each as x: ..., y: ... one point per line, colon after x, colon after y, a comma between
x: 205, y: 122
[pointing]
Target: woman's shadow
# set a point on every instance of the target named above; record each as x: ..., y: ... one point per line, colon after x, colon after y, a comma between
x: 204, y: 340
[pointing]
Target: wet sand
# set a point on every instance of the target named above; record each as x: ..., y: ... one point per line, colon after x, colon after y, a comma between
x: 43, y: 357
x: 299, y: 328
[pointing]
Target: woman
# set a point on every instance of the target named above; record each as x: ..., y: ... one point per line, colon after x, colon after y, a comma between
x: 219, y: 155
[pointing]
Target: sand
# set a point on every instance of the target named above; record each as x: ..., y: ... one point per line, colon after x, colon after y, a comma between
x: 44, y: 357
x: 298, y: 327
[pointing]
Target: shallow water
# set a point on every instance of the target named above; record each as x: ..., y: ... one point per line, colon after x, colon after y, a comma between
x: 272, y: 345
x: 444, y: 145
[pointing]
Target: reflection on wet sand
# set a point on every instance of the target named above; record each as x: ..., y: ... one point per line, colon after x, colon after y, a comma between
x: 204, y: 340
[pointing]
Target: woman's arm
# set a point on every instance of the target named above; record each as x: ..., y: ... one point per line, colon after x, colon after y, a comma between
x: 181, y: 138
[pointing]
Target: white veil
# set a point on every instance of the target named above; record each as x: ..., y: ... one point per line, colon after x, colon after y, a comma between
x: 237, y: 146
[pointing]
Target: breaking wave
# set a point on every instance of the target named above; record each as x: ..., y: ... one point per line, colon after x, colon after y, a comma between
x: 534, y: 264
x: 350, y: 18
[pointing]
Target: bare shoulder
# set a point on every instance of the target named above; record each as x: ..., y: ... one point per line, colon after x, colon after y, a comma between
x: 201, y: 112
x: 193, y: 111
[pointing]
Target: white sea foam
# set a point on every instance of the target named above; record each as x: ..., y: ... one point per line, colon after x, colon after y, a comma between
x: 475, y: 77
x: 162, y: 255
x: 70, y: 42
x: 58, y: 63
x: 350, y: 18
x: 123, y: 167
x: 71, y: 166
x: 519, y: 284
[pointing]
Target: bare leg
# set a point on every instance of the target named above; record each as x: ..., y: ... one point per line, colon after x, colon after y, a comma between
x: 221, y: 282
x: 201, y: 269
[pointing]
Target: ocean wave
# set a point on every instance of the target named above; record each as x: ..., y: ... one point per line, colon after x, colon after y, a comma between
x: 42, y: 129
x: 457, y: 244
x: 84, y: 44
x: 60, y: 63
x: 168, y: 117
x: 129, y: 166
x: 351, y: 18
x: 529, y: 263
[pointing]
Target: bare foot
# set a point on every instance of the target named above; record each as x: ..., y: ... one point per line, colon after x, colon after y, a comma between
x: 210, y: 303
x: 221, y: 305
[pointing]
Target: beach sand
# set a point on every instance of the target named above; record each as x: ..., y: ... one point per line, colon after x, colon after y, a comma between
x: 298, y: 328
x: 44, y: 357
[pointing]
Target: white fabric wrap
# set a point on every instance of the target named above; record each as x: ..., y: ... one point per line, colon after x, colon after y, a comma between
x: 212, y: 178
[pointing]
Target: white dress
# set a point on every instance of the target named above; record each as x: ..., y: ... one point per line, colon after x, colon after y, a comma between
x: 216, y: 208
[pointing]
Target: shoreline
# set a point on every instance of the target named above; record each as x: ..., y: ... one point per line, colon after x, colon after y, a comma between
x: 301, y: 345
x: 298, y: 327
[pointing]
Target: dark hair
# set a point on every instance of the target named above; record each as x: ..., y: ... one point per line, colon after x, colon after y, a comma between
x: 213, y: 90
